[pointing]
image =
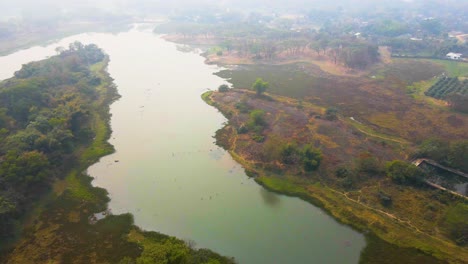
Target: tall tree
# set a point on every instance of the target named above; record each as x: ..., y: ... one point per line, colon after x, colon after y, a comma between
x: 260, y: 86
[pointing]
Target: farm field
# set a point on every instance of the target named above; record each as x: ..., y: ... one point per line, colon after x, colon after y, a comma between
x: 446, y: 86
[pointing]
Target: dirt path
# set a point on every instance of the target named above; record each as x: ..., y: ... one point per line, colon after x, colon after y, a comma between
x: 401, y: 141
x: 392, y: 216
x: 385, y: 54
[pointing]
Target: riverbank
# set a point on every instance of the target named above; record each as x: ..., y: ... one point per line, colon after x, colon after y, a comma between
x: 63, y: 228
x: 358, y: 207
x: 372, y: 129
x: 41, y: 36
x: 316, y: 63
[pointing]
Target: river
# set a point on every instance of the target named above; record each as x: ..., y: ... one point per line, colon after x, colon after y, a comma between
x: 170, y: 175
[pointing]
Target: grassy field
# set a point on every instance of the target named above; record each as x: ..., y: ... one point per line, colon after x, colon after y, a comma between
x: 393, y: 104
x: 454, y: 68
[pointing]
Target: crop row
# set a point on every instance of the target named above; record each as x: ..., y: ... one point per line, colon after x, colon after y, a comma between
x: 446, y: 86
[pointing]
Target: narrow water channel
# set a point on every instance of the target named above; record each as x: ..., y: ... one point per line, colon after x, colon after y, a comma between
x: 170, y: 175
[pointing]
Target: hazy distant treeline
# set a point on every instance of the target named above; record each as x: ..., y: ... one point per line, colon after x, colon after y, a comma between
x: 49, y: 8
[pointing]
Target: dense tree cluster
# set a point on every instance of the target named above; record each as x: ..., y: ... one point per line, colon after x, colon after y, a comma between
x: 44, y: 117
x: 345, y: 37
x: 360, y: 55
x: 259, y: 42
x: 453, y: 90
x: 453, y: 154
x: 403, y: 172
x: 308, y: 156
x: 446, y: 86
x: 288, y: 153
x: 223, y: 88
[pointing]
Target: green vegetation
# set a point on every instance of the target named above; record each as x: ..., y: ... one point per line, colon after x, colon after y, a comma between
x: 452, y: 154
x: 159, y: 248
x: 454, y: 68
x: 260, y: 86
x: 453, y: 90
x: 206, y: 97
x: 446, y: 86
x: 257, y: 119
x: 45, y: 118
x: 223, y: 88
x: 54, y: 125
x: 388, y: 27
x: 456, y: 224
x: 311, y: 158
x: 403, y: 172
x: 368, y: 164
x: 359, y: 55
x: 290, y: 154
x: 380, y: 252
x: 331, y: 114
x: 256, y: 124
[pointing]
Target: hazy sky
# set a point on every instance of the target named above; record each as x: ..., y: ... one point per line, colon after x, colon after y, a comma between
x: 43, y: 8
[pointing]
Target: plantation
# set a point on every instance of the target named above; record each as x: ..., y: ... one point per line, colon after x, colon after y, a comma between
x: 446, y: 86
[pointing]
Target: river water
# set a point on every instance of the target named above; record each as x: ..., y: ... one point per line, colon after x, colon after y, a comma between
x: 170, y: 175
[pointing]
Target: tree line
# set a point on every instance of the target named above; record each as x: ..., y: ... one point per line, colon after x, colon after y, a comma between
x: 259, y: 42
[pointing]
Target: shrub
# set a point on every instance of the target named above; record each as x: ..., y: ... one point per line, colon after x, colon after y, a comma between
x: 260, y: 86
x: 242, y: 129
x: 331, y: 114
x: 223, y: 88
x: 385, y: 199
x: 257, y: 118
x: 369, y: 164
x: 403, y: 172
x: 242, y: 107
x: 342, y: 172
x: 311, y: 158
x: 258, y: 138
x: 289, y: 153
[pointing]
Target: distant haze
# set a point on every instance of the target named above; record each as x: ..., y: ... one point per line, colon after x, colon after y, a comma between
x: 32, y: 9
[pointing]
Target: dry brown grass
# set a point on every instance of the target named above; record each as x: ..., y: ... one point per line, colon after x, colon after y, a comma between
x: 412, y: 220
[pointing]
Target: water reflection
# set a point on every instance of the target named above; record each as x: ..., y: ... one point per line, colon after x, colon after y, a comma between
x: 270, y: 199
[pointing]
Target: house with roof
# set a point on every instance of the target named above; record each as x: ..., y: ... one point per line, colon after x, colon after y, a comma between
x: 453, y: 56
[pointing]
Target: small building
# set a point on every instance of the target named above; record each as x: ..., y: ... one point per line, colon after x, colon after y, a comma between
x: 453, y: 56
